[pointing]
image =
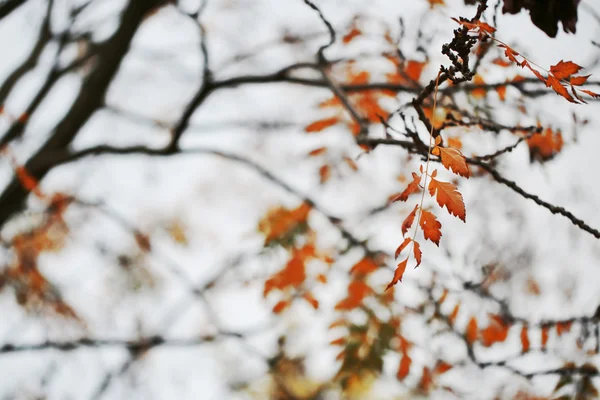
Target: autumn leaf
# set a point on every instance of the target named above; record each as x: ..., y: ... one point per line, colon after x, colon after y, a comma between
x: 524, y: 339
x: 478, y: 93
x: 409, y: 220
x: 443, y: 296
x: 364, y: 267
x: 417, y: 253
x: 351, y: 35
x: 311, y: 300
x: 471, y: 333
x: 402, y: 246
x: 455, y: 142
x: 433, y: 3
x: 544, y: 334
x: 478, y: 26
x: 412, y: 187
x: 454, y: 314
x: 350, y: 162
x: 317, y: 152
x: 578, y: 80
x: 559, y: 88
x: 404, y: 367
x: 357, y: 291
x: 501, y: 90
x: 496, y: 331
x: 426, y: 380
x: 322, y: 124
x: 590, y: 93
x: 442, y: 367
x: 398, y: 274
x: 143, y: 241
x: 564, y: 70
x: 324, y: 173
x: 280, y: 306
x: 431, y: 227
x: 453, y: 160
x: 563, y: 327
x: 321, y: 278
x: 447, y: 195
x: 510, y: 53
x: 338, y: 342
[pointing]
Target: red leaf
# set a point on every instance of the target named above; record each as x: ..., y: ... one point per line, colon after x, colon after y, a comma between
x: 564, y: 70
x: 402, y: 246
x: 351, y: 35
x: 431, y: 227
x: 496, y: 331
x: 559, y: 88
x: 563, y: 327
x: 510, y: 53
x: 279, y: 307
x: 578, y: 80
x: 409, y: 220
x: 590, y: 93
x: 404, y: 367
x: 398, y: 274
x: 524, y: 339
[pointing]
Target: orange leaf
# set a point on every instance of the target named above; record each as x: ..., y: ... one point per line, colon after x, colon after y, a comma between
x: 544, y: 336
x: 318, y: 126
x: 28, y: 181
x: 357, y: 291
x: 350, y: 162
x: 417, y: 253
x: 442, y: 367
x: 564, y: 70
x: 338, y: 342
x: 364, y: 267
x: 590, y: 93
x: 351, y: 35
x: 501, y: 90
x: 578, y: 80
x: 311, y: 300
x: 448, y: 195
x: 279, y: 307
x: 454, y: 142
x: 510, y: 53
x: 426, y: 380
x: 481, y: 27
x: 404, y: 367
x: 524, y: 339
x: 402, y: 246
x: 454, y: 314
x: 431, y: 227
x: 318, y: 151
x: 443, y: 296
x: 453, y: 160
x: 322, y: 278
x: 324, y: 173
x: 501, y: 62
x: 472, y: 331
x: 409, y: 220
x: 478, y: 93
x: 559, y: 88
x: 563, y: 327
x: 411, y: 188
x: 496, y: 331
x: 398, y: 274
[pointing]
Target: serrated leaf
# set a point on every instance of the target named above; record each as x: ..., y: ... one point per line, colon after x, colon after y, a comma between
x: 412, y: 187
x: 398, y: 274
x: 564, y: 69
x: 454, y: 161
x: 446, y: 194
x: 431, y: 227
x: 402, y: 246
x: 408, y: 221
x: 417, y: 253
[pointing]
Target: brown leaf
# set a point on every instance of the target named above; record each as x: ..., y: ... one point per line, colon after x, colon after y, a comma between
x: 563, y: 327
x: 324, y: 173
x: 559, y: 88
x: 448, y: 195
x: 431, y: 227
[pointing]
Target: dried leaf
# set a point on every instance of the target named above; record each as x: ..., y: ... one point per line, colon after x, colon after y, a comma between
x: 590, y: 93
x: 559, y: 88
x: 357, y: 291
x: 409, y: 220
x: 426, y: 380
x: 453, y: 160
x: 417, y: 253
x: 564, y: 70
x: 448, y: 195
x: 578, y: 80
x: 398, y: 274
x: 496, y: 331
x: 402, y: 246
x: 404, y: 367
x: 431, y: 227
x: 563, y: 327
x: 501, y: 90
x: 524, y: 339
x: 471, y: 333
x: 412, y: 187
x: 442, y: 367
x: 322, y: 124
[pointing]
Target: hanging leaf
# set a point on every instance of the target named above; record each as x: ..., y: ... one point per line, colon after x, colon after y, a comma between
x: 417, y: 253
x: 471, y: 333
x: 412, y: 187
x: 364, y: 267
x: 408, y: 221
x: 578, y: 80
x: 398, y: 274
x: 454, y: 314
x: 564, y: 69
x: 431, y: 227
x: 404, y: 367
x: 402, y: 246
x: 447, y: 195
x: 322, y: 124
x: 453, y: 160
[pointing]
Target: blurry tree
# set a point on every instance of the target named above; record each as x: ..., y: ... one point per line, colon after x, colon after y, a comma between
x: 221, y: 199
